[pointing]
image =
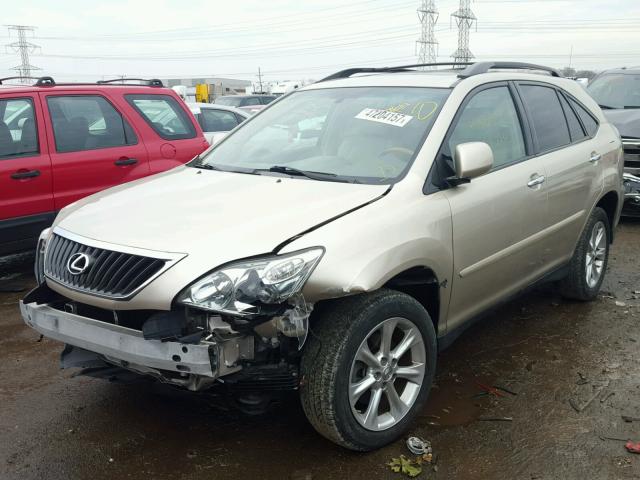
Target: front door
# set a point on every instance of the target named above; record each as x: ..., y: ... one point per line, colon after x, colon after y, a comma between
x: 496, y: 218
x: 92, y: 144
x: 26, y: 200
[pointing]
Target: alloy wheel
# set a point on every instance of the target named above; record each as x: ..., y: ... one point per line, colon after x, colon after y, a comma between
x: 596, y: 254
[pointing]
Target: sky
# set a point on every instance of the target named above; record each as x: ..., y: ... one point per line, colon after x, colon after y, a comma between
x: 305, y: 39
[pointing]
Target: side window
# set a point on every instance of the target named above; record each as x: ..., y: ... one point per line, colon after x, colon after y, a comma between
x: 214, y: 120
x: 18, y: 134
x: 87, y: 122
x: 240, y: 118
x: 491, y: 117
x: 548, y: 119
x: 575, y: 129
x: 251, y: 101
x: 590, y: 123
x: 164, y: 115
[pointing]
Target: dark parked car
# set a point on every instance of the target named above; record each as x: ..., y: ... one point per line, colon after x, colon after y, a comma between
x: 250, y: 103
x: 618, y: 94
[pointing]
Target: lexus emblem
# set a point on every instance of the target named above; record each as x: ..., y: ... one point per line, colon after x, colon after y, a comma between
x: 78, y: 263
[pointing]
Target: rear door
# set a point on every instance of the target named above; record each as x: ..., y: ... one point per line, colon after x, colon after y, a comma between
x: 571, y: 161
x: 26, y: 199
x: 93, y: 145
x: 171, y: 133
x: 497, y: 217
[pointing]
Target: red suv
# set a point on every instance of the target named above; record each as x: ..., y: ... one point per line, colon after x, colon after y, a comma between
x: 61, y: 142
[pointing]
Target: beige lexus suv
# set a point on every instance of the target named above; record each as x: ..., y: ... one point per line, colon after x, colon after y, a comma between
x: 333, y: 243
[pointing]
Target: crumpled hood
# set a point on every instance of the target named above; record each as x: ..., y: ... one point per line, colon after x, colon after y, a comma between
x: 211, y: 215
x: 626, y: 121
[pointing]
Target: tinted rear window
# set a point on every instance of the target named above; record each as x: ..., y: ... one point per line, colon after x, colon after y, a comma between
x: 574, y: 124
x: 590, y: 124
x: 547, y: 116
x: 164, y: 115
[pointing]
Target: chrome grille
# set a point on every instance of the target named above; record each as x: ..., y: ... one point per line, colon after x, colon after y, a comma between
x: 631, y: 156
x: 110, y: 274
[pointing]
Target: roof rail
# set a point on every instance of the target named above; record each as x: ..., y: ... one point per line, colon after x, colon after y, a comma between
x: 402, y: 68
x: 40, y: 81
x: 153, y: 82
x: 484, y: 67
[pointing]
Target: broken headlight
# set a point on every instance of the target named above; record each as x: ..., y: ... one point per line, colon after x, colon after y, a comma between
x: 241, y: 288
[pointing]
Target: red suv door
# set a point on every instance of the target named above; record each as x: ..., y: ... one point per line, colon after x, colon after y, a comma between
x: 26, y: 199
x: 92, y: 143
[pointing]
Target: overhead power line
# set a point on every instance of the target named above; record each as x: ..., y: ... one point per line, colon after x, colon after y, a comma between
x: 427, y: 45
x: 23, y: 48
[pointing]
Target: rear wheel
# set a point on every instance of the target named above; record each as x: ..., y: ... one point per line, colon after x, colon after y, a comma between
x: 368, y: 368
x: 589, y: 262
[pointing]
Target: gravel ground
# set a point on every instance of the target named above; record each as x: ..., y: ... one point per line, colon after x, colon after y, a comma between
x: 552, y: 353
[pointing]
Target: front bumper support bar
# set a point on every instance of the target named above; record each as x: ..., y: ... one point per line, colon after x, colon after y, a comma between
x: 125, y: 345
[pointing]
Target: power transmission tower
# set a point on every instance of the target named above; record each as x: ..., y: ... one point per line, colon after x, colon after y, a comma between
x: 427, y: 46
x: 465, y: 19
x: 24, y: 48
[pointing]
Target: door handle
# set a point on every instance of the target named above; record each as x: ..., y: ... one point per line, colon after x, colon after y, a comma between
x: 123, y: 162
x: 595, y: 157
x: 20, y: 175
x: 535, y: 181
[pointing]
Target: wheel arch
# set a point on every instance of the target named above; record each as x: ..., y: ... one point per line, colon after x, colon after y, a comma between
x: 609, y: 202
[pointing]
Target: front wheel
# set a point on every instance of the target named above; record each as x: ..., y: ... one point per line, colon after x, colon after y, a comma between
x: 589, y: 262
x: 368, y: 368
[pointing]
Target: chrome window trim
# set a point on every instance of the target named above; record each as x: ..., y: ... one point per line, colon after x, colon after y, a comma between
x: 170, y: 259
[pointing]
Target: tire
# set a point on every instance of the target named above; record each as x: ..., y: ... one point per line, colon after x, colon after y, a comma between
x: 329, y: 366
x: 575, y: 285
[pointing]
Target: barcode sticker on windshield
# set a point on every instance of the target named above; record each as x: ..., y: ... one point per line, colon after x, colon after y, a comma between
x: 384, y: 116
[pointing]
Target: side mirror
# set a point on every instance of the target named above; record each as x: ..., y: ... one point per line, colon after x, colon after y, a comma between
x: 472, y: 159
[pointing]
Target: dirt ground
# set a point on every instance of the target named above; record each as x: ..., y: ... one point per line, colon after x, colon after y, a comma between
x: 550, y: 352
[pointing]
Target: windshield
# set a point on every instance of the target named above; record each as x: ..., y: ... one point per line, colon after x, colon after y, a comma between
x: 619, y: 90
x: 229, y: 101
x: 363, y: 134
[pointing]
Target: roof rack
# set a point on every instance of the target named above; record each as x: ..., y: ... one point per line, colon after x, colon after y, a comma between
x: 484, y: 67
x: 153, y: 82
x: 402, y: 68
x: 40, y: 81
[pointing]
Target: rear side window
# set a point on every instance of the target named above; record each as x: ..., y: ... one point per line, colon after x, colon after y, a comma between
x: 251, y: 101
x: 590, y: 123
x: 164, y: 115
x: 213, y: 120
x: 18, y: 134
x: 547, y: 116
x: 87, y: 122
x: 491, y: 117
x: 575, y: 129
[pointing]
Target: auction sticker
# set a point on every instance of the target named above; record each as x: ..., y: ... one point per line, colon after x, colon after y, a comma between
x: 384, y: 116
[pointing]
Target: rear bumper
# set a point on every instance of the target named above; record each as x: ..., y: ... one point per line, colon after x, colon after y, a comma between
x: 122, y: 346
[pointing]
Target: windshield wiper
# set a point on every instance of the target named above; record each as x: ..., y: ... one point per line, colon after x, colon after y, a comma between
x: 326, y: 176
x: 630, y: 107
x: 607, y: 107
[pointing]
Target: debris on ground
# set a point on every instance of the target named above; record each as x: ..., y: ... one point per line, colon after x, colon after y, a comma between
x: 620, y: 304
x: 630, y: 419
x: 418, y: 446
x: 632, y: 447
x: 496, y: 419
x: 407, y: 466
x: 579, y: 407
x: 583, y: 380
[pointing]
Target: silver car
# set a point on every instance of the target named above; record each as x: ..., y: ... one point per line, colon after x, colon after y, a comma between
x: 333, y: 243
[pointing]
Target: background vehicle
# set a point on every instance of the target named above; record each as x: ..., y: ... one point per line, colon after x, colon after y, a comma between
x: 250, y: 103
x: 339, y: 257
x: 59, y: 143
x: 216, y: 120
x: 618, y: 94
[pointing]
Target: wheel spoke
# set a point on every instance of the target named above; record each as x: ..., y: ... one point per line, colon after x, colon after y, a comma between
x: 599, y: 236
x: 397, y: 407
x: 371, y: 414
x: 589, y: 273
x: 414, y: 373
x: 411, y: 338
x: 600, y: 253
x: 357, y: 389
x: 386, y: 335
x: 365, y: 356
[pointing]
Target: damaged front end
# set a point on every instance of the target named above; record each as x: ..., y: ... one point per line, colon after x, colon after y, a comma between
x: 631, y: 184
x: 242, y: 325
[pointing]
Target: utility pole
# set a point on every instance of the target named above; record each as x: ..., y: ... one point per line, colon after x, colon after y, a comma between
x: 260, y: 80
x: 427, y: 46
x: 23, y: 48
x: 465, y: 19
